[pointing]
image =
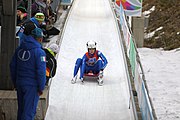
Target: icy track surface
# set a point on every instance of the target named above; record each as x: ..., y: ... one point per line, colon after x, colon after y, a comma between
x: 90, y: 20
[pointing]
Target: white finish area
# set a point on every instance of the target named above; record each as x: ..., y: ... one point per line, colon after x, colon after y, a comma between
x: 90, y: 20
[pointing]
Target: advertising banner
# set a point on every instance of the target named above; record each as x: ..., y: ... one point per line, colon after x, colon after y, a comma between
x: 117, y: 7
x: 132, y: 7
x: 118, y: 2
x: 126, y: 33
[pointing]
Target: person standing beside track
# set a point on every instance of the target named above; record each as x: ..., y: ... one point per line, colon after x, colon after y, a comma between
x: 51, y: 63
x: 28, y: 73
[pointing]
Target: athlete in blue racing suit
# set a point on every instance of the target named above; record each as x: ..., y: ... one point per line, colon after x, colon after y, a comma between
x: 90, y: 62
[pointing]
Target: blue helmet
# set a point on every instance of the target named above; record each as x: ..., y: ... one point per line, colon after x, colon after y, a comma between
x: 37, y: 33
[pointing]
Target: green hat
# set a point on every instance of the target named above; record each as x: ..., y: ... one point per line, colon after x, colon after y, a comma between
x: 22, y: 9
x: 40, y: 17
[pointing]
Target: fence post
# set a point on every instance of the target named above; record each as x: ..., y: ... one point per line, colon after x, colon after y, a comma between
x: 138, y: 30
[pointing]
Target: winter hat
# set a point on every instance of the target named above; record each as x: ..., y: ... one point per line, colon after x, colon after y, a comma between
x: 28, y: 27
x: 37, y: 33
x: 54, y: 47
x: 40, y: 16
x: 22, y: 9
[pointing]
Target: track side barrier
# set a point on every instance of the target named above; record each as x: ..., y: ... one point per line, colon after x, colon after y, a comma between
x: 66, y: 3
x: 145, y: 104
x: 132, y: 104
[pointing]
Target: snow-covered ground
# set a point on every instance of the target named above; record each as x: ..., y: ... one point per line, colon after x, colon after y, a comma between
x: 162, y: 71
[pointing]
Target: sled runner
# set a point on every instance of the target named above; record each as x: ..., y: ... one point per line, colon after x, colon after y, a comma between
x: 90, y: 74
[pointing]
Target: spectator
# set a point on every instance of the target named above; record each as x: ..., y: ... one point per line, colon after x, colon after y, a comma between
x: 52, y: 17
x: 51, y: 63
x: 39, y: 6
x: 21, y: 15
x: 34, y: 22
x: 22, y: 3
x: 28, y: 73
x: 30, y: 24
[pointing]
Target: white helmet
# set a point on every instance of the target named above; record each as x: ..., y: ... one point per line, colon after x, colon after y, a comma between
x: 91, y: 44
x: 54, y: 47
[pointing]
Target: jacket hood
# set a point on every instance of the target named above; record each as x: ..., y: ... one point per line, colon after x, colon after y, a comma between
x: 29, y: 42
x: 50, y: 51
x: 33, y: 19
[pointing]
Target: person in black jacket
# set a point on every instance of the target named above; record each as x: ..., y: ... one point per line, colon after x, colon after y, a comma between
x: 51, y: 63
x: 21, y: 15
x: 29, y: 25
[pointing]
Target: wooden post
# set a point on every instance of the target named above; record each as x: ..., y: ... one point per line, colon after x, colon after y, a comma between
x: 8, y: 43
x: 29, y: 8
x: 138, y: 30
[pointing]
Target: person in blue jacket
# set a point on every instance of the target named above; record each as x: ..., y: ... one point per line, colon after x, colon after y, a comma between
x: 29, y: 25
x: 28, y: 73
x: 90, y: 62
